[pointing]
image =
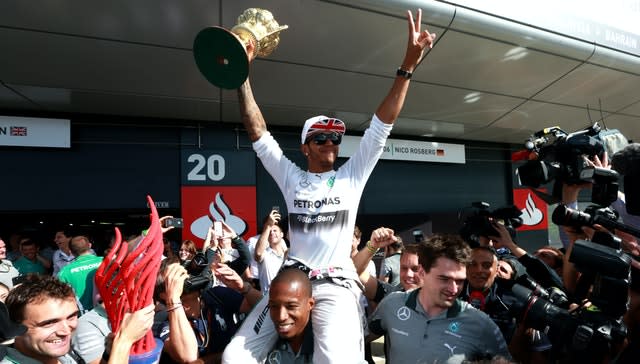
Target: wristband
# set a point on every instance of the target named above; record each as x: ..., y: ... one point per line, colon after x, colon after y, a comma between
x: 246, y: 287
x: 373, y: 250
x: 404, y: 73
x: 174, y: 307
x: 105, y: 356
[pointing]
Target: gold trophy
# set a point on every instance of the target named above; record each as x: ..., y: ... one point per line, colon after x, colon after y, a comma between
x: 221, y: 55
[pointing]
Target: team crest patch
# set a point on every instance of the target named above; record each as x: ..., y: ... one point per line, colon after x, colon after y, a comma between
x: 274, y: 358
x: 403, y: 313
x: 331, y: 181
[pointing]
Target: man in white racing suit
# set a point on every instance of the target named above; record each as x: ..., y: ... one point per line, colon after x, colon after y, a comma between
x: 322, y: 204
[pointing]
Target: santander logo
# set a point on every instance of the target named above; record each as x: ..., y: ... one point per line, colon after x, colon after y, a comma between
x: 531, y: 214
x: 218, y: 211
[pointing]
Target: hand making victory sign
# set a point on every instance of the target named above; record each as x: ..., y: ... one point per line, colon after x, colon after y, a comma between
x: 418, y: 41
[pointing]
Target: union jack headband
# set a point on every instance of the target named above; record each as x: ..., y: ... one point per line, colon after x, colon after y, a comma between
x: 319, y: 124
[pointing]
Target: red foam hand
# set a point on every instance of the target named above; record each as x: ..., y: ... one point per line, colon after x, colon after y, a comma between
x: 126, y: 279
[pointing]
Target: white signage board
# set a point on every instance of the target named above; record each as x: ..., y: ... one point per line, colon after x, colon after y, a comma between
x: 35, y: 132
x: 410, y: 150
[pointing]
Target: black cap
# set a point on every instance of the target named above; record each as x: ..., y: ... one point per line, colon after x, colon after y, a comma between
x: 8, y: 328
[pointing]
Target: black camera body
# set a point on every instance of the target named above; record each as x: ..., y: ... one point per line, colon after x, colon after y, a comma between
x: 477, y: 223
x: 581, y: 336
x: 560, y: 155
x: 195, y: 268
x: 586, y: 334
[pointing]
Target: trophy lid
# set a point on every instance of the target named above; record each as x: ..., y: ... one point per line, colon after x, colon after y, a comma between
x: 221, y: 58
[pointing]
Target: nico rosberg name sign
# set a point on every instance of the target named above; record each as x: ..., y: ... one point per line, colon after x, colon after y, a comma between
x: 410, y: 150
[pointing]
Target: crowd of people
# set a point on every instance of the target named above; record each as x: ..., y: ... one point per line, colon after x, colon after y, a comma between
x: 309, y: 292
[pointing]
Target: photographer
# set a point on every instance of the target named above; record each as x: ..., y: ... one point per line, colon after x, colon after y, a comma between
x: 536, y: 268
x: 497, y: 229
x: 487, y: 292
x: 173, y: 325
x: 623, y: 162
x: 227, y: 247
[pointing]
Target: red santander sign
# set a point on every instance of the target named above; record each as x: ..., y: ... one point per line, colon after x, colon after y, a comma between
x: 534, y: 209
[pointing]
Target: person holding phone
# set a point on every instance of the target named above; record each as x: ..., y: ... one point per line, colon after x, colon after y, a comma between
x: 270, y: 250
x: 224, y: 245
x: 322, y: 203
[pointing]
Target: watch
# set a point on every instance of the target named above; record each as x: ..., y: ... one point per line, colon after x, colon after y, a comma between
x: 403, y: 73
x: 246, y: 287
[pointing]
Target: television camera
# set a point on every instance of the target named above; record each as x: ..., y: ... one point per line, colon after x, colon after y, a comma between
x: 477, y: 221
x: 561, y: 157
x: 588, y: 333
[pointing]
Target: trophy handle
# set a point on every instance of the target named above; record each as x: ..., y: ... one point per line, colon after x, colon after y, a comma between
x: 221, y: 57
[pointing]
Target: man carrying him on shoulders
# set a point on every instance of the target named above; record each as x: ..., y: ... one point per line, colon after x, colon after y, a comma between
x: 290, y: 305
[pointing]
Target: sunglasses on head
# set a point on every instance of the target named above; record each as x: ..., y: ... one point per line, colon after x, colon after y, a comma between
x: 321, y: 138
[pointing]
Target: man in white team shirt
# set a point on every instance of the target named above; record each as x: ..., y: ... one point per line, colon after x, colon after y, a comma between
x: 322, y: 204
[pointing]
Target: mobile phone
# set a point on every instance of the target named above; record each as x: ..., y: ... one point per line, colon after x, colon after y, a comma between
x: 175, y: 222
x: 217, y: 228
x: 275, y: 208
x: 418, y: 237
x: 18, y: 280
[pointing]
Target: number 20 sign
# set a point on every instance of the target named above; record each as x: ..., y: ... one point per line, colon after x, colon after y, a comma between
x: 218, y: 167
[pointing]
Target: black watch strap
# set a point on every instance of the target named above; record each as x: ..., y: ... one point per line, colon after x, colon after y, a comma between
x: 404, y: 73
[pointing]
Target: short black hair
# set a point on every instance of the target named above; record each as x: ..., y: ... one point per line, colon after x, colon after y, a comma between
x: 621, y: 161
x: 294, y: 275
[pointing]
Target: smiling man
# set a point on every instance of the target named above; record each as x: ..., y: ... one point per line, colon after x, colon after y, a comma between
x: 47, y: 307
x: 430, y: 324
x: 482, y: 271
x: 290, y: 305
x: 322, y: 204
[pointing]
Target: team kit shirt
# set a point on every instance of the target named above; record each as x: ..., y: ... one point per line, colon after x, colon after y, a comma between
x: 283, y: 353
x: 322, y: 207
x: 13, y: 356
x: 459, y: 334
x: 80, y: 274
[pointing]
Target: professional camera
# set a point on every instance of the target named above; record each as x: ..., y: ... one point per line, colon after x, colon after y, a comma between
x: 477, y: 221
x: 561, y: 158
x: 560, y: 155
x: 586, y: 334
x: 581, y: 336
x: 195, y: 267
x: 593, y: 214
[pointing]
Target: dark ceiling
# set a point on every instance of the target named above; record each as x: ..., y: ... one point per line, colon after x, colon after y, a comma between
x: 487, y: 78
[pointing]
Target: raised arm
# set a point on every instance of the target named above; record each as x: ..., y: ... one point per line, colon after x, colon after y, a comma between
x: 182, y: 344
x: 263, y: 240
x: 249, y: 110
x: 134, y: 326
x: 380, y: 238
x: 391, y: 106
